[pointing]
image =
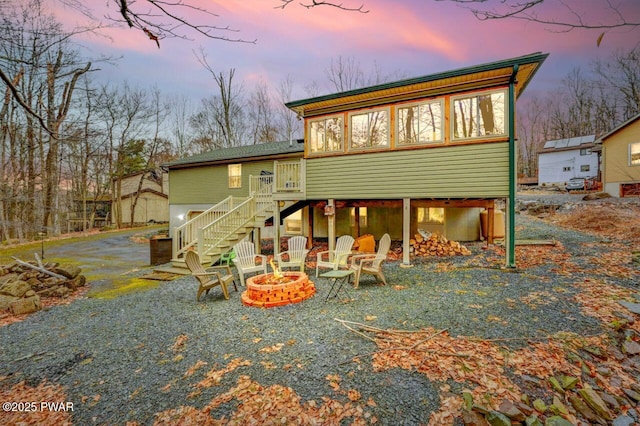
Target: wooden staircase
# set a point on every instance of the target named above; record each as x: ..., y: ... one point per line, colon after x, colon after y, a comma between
x: 216, y: 230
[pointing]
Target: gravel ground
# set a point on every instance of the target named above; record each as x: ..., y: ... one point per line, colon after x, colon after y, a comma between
x: 121, y: 349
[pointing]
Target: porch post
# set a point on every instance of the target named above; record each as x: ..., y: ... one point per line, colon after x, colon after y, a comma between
x: 406, y: 230
x: 276, y: 228
x: 256, y: 239
x: 331, y: 224
x: 510, y: 234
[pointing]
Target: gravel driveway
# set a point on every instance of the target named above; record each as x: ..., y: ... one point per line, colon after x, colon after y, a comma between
x: 128, y: 358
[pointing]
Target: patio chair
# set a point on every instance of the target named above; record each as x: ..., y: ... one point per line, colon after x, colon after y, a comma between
x: 210, y: 277
x: 246, y: 260
x: 296, y: 254
x: 371, y: 263
x: 334, y: 259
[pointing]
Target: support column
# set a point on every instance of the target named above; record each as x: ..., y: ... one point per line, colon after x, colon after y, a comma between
x: 276, y: 228
x: 510, y: 214
x: 406, y: 231
x: 331, y: 224
x: 309, y: 227
x: 255, y: 234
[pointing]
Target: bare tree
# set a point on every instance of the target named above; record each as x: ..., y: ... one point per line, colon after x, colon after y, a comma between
x: 261, y: 115
x: 562, y: 16
x: 180, y: 110
x: 347, y: 74
x: 290, y: 127
x: 158, y: 113
x: 621, y: 75
x: 45, y: 68
x: 226, y: 108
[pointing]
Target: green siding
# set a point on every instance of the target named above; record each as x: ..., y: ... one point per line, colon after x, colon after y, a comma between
x: 465, y: 171
x: 210, y: 184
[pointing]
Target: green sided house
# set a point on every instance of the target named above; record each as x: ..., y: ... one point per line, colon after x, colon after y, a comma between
x: 423, y: 153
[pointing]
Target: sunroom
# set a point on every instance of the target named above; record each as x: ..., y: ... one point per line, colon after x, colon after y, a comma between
x: 438, y: 145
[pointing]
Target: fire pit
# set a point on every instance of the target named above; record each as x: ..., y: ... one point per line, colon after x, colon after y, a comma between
x: 277, y: 289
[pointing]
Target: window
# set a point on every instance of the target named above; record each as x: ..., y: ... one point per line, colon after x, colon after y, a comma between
x: 325, y: 134
x: 566, y: 169
x: 585, y: 151
x: 480, y: 115
x: 362, y: 216
x: 430, y: 215
x: 235, y: 175
x: 585, y: 168
x: 369, y: 129
x: 634, y: 154
x: 421, y: 123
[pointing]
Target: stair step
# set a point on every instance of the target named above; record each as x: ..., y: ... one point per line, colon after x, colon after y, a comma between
x: 173, y: 270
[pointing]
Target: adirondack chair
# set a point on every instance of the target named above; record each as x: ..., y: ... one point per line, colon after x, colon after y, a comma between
x: 246, y: 260
x: 334, y: 259
x: 296, y: 254
x: 210, y: 277
x: 371, y: 263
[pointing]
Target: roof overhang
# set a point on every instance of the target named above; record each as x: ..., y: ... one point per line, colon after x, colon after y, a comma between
x: 483, y: 76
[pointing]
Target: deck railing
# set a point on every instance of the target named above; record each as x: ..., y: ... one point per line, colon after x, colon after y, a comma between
x: 289, y: 176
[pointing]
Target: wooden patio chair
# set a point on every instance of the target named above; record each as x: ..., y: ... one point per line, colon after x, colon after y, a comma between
x: 371, y: 263
x: 246, y: 260
x: 334, y: 259
x: 296, y: 254
x: 210, y: 277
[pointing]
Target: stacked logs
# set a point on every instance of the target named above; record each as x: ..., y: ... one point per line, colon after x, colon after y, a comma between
x: 436, y: 245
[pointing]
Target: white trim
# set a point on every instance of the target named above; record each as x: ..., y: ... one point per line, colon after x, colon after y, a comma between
x: 324, y: 119
x: 440, y: 140
x: 505, y: 118
x: 351, y: 114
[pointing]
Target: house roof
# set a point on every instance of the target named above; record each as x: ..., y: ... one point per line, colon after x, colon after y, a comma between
x: 569, y: 144
x: 487, y: 75
x: 253, y: 152
x: 620, y: 127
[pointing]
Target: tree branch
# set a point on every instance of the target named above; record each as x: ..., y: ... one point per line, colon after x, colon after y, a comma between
x: 528, y: 10
x: 315, y: 3
x: 16, y: 95
x: 150, y: 22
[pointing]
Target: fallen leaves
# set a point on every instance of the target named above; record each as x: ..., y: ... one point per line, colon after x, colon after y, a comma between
x: 214, y: 377
x: 270, y: 349
x: 180, y: 343
x: 476, y: 362
x: 275, y: 404
x: 34, y: 415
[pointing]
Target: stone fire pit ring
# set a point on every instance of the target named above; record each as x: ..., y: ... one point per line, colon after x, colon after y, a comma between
x: 265, y: 291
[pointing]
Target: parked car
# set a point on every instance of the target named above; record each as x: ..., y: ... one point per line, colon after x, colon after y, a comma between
x: 580, y: 184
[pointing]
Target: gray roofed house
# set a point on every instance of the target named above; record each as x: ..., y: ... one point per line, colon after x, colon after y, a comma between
x: 245, y: 152
x: 562, y: 159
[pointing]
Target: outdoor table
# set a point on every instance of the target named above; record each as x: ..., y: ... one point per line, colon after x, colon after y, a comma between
x: 339, y: 278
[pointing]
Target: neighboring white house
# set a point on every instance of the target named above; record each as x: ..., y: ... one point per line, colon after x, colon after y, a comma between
x: 563, y: 159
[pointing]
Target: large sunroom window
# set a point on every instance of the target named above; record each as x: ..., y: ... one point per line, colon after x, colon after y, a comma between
x: 325, y: 134
x: 634, y: 154
x: 480, y: 115
x: 369, y: 129
x: 420, y: 123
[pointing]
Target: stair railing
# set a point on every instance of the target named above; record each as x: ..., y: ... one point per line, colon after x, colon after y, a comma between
x: 219, y: 230
x: 185, y: 236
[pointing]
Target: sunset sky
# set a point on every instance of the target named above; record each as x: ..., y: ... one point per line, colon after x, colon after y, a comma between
x: 407, y: 37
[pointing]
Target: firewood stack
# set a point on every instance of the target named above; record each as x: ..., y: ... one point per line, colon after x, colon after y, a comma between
x: 436, y: 245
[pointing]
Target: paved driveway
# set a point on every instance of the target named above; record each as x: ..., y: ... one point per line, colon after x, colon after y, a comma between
x: 108, y: 260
